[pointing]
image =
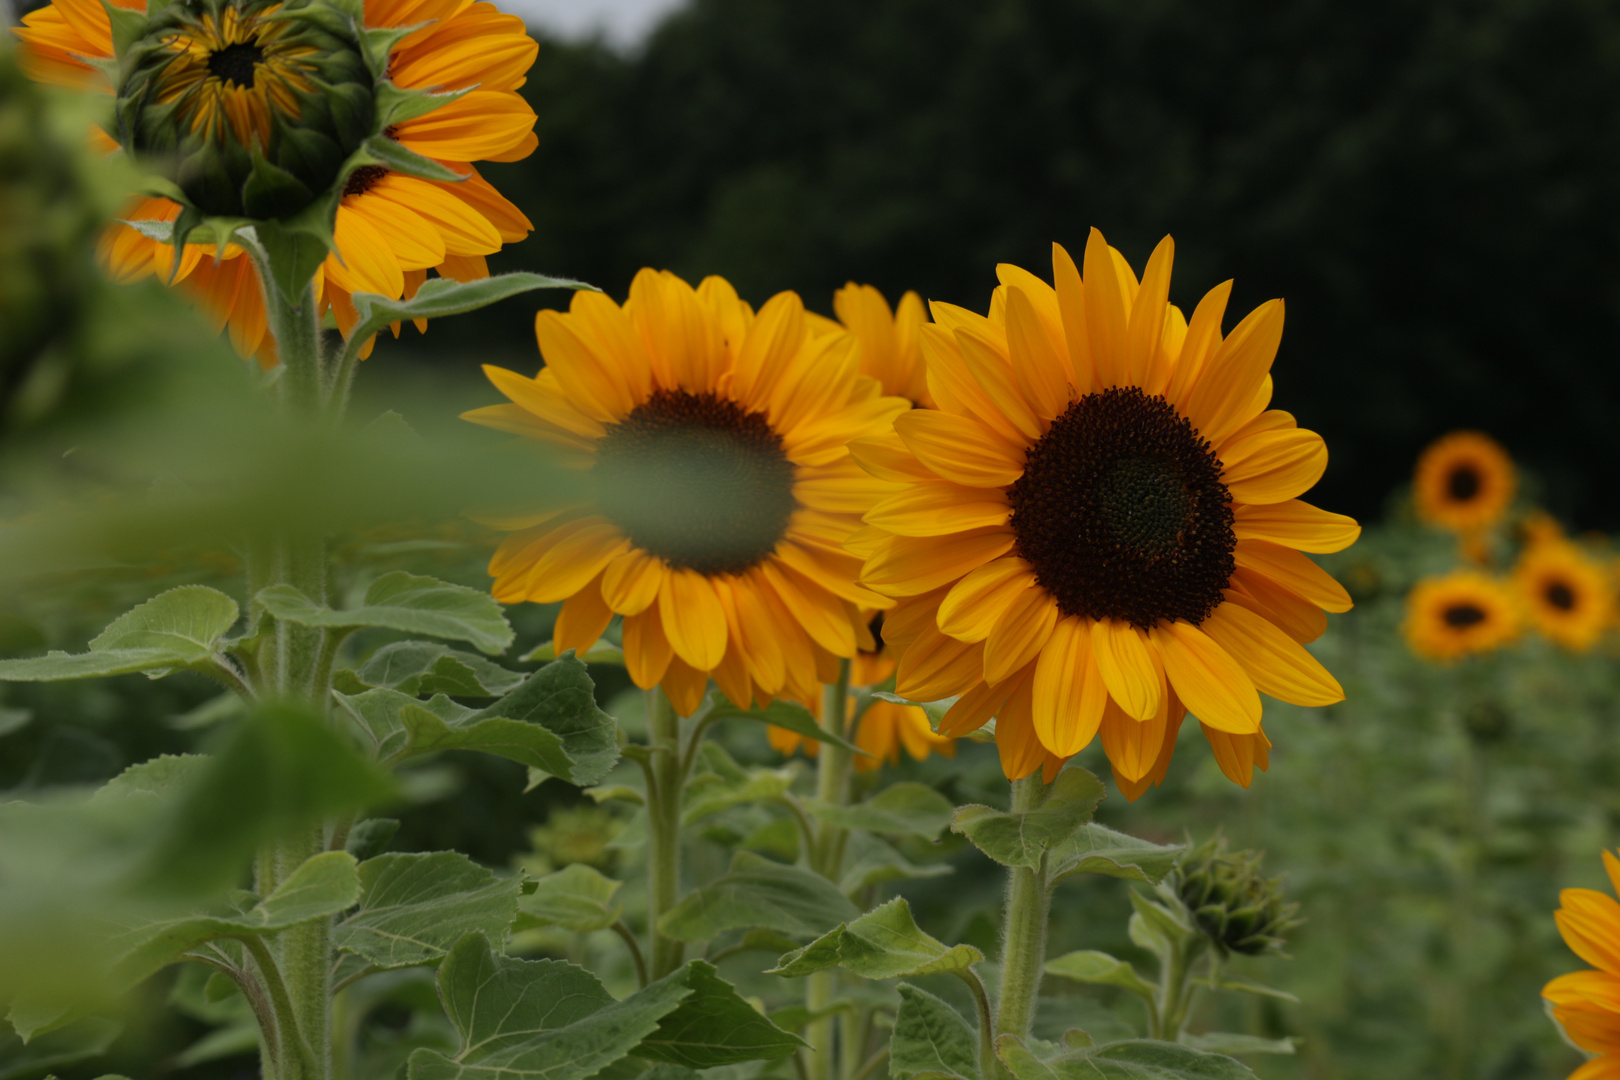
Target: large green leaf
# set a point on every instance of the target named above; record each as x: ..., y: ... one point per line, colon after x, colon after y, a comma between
x: 1091, y: 966
x: 870, y: 861
x: 177, y: 629
x: 759, y: 893
x: 1097, y: 849
x: 714, y: 1026
x: 1133, y: 1059
x: 885, y: 943
x: 784, y: 714
x: 930, y: 1037
x: 439, y: 297
x: 906, y: 808
x: 561, y: 698
x: 409, y: 603
x: 424, y: 668
x: 728, y: 784
x: 576, y: 898
x: 415, y: 907
x: 1021, y: 838
x: 86, y: 1038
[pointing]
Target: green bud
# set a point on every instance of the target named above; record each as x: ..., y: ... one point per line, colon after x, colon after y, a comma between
x: 1237, y: 909
x: 250, y: 106
x: 577, y: 835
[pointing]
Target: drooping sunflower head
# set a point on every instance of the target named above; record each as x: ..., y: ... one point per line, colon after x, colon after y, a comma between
x: 250, y: 106
x: 1586, y: 1004
x: 1568, y: 595
x: 715, y: 438
x: 1099, y: 526
x: 1459, y: 614
x: 1464, y: 482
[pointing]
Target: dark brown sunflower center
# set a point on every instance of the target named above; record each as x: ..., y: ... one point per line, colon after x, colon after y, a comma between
x: 235, y: 64
x: 364, y: 179
x: 1561, y: 596
x: 1463, y: 615
x: 1463, y: 483
x: 696, y: 480
x: 1122, y: 513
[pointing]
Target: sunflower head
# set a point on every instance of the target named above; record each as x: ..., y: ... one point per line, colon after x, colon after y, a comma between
x: 1236, y: 908
x: 1566, y: 593
x: 1464, y: 482
x: 1583, y: 1001
x: 1459, y: 614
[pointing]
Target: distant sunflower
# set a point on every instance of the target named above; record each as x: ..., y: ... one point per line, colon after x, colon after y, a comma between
x: 888, y: 340
x: 1459, y: 614
x: 391, y: 229
x: 1465, y: 482
x: 1586, y: 1004
x: 1100, y: 526
x: 717, y: 440
x: 1568, y: 595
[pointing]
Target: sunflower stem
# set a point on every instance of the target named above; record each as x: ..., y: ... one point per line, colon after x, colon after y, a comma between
x: 1023, y: 946
x: 664, y: 828
x: 832, y: 786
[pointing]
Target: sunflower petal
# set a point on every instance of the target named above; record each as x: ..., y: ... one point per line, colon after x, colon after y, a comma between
x: 960, y: 449
x: 694, y: 620
x: 907, y: 566
x: 1294, y: 572
x: 1069, y: 694
x: 1296, y: 524
x: 1273, y: 466
x: 646, y: 649
x: 1127, y: 664
x: 1020, y: 633
x: 1278, y: 665
x: 973, y: 606
x: 1206, y: 678
x: 936, y: 508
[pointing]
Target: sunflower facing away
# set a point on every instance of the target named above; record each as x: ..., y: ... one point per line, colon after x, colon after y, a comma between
x: 1567, y: 595
x: 1586, y: 1004
x: 238, y: 74
x: 717, y: 441
x: 1099, y: 527
x: 1465, y: 482
x: 1459, y: 614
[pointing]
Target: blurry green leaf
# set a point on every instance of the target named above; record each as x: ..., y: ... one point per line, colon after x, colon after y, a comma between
x: 617, y: 792
x: 784, y: 714
x: 576, y: 898
x: 180, y: 628
x: 15, y: 720
x: 225, y: 706
x: 869, y: 861
x: 409, y: 603
x: 1244, y: 986
x: 797, y: 1017
x: 714, y: 1026
x: 1022, y: 838
x: 930, y: 1037
x: 758, y: 893
x: 86, y: 1038
x: 728, y: 784
x: 1229, y: 1042
x: 1154, y: 927
x: 237, y: 1037
x: 603, y: 652
x: 1133, y: 1059
x: 1097, y: 849
x: 415, y: 907
x: 885, y: 943
x: 906, y: 808
x: 424, y: 668
x: 369, y: 838
x: 1100, y: 968
x: 439, y: 297
x: 935, y: 710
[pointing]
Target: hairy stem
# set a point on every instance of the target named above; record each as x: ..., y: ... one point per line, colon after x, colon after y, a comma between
x: 664, y: 828
x: 1023, y: 947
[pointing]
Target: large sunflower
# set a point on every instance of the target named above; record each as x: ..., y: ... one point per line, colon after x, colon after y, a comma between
x: 1465, y: 481
x: 717, y: 438
x: 1459, y: 614
x: 1100, y: 524
x: 1567, y: 595
x: 1586, y: 1004
x: 391, y: 229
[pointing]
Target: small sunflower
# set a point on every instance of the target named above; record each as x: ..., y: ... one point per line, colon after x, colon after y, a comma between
x: 1459, y: 614
x: 717, y: 441
x: 234, y: 72
x: 1567, y: 595
x: 1099, y: 526
x: 888, y: 340
x: 1465, y: 482
x: 1586, y: 1004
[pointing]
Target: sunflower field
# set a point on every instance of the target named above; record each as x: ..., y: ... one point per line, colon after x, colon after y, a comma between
x: 1017, y: 541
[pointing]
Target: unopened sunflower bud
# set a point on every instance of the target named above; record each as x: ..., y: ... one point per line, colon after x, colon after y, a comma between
x: 250, y: 106
x: 1236, y: 908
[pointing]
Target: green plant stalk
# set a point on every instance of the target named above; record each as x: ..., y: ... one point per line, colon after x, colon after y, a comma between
x: 1023, y: 945
x: 664, y: 828
x: 833, y: 763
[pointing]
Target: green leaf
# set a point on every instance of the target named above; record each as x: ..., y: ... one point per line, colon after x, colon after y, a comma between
x: 368, y: 838
x: 1229, y: 1042
x: 439, y: 297
x: 425, y: 668
x: 869, y: 861
x: 86, y: 1038
x: 885, y: 943
x: 561, y: 698
x: 1100, y: 968
x: 759, y: 893
x: 603, y: 652
x: 731, y: 785
x: 784, y: 714
x: 177, y: 629
x: 930, y: 1037
x: 1133, y: 1059
x: 576, y: 898
x: 907, y: 808
x: 415, y: 907
x: 1097, y: 849
x: 714, y: 1026
x: 294, y: 250
x: 409, y: 603
x: 1244, y: 986
x: 1015, y: 838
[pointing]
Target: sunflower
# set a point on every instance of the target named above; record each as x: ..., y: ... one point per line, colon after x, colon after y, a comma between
x: 1458, y: 614
x: 717, y: 441
x: 888, y: 340
x: 1465, y: 482
x: 1586, y: 1004
x: 391, y: 229
x: 1567, y: 595
x: 1099, y: 525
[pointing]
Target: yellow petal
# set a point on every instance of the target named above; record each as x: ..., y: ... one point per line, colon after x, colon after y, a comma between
x: 887, y: 457
x: 1278, y: 665
x: 1203, y: 337
x: 975, y: 708
x: 573, y: 562
x: 1237, y: 755
x: 1107, y: 314
x: 993, y: 372
x: 1128, y: 668
x: 937, y: 508
x: 971, y: 609
x: 1273, y: 466
x: 1294, y: 572
x: 694, y: 620
x: 1133, y: 746
x: 934, y: 666
x: 1020, y: 633
x: 1069, y: 695
x: 1040, y: 365
x: 589, y: 384
x: 956, y: 390
x: 768, y: 348
x: 631, y: 581
x: 1145, y: 330
x: 819, y: 612
x: 1299, y: 618
x: 1295, y: 524
x: 960, y: 449
x: 581, y: 620
x: 646, y: 649
x: 1206, y: 678
x: 1223, y: 399
x: 909, y: 566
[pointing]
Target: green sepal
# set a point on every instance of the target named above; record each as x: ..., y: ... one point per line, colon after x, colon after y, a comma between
x: 381, y: 150
x: 396, y: 104
x: 127, y: 27
x: 294, y: 252
x: 271, y: 191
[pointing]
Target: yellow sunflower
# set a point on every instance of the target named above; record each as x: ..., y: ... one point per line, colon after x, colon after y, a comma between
x: 1465, y: 482
x: 1567, y: 595
x: 888, y: 340
x: 1099, y: 526
x: 1586, y: 1004
x: 717, y: 439
x: 1459, y: 614
x: 391, y: 229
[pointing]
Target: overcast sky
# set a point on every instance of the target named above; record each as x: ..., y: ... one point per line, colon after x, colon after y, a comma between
x: 624, y: 22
